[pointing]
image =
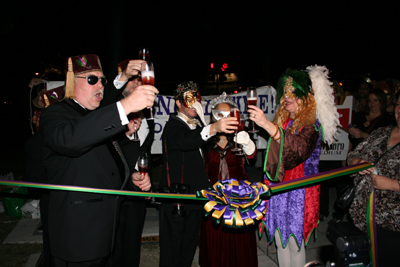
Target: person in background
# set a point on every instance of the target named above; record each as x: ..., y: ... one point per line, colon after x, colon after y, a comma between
x: 306, y: 107
x: 35, y: 170
x: 133, y: 209
x: 373, y: 117
x: 79, y: 152
x: 384, y: 176
x: 31, y: 111
x: 223, y: 246
x: 361, y: 96
x: 44, y: 99
x: 183, y: 171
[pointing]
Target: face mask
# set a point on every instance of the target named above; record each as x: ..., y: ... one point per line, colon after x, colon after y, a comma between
x: 190, y: 97
x: 218, y: 114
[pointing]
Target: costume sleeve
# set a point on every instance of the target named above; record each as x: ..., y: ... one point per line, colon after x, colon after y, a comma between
x: 293, y: 150
x: 252, y: 155
x: 180, y: 137
x: 364, y: 149
x: 358, y: 121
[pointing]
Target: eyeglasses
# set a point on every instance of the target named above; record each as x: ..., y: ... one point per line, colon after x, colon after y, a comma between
x: 92, y: 79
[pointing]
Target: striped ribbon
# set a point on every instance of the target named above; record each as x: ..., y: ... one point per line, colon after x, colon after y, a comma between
x: 371, y: 229
x: 96, y: 190
x: 275, y: 188
x: 317, y: 178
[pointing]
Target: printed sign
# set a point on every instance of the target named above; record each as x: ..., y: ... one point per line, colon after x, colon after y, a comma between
x: 339, y: 149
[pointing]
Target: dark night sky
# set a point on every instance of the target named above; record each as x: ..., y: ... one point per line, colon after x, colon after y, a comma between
x: 259, y: 39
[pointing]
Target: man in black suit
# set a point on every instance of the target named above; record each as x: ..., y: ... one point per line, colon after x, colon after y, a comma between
x: 77, y: 139
x: 184, y: 168
x: 133, y: 209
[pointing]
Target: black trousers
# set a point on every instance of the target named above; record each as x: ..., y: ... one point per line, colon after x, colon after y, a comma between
x: 179, y: 236
x: 44, y: 207
x: 388, y: 247
x: 129, y: 233
x: 102, y: 262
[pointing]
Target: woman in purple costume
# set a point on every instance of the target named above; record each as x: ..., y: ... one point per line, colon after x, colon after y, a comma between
x: 307, y: 114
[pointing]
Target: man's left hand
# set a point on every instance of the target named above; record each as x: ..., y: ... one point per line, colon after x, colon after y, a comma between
x: 133, y: 126
x: 141, y: 181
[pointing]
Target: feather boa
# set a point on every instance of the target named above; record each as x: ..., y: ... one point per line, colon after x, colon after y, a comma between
x: 327, y: 113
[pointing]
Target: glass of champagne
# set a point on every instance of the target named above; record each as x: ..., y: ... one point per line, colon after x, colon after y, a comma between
x: 235, y: 113
x: 252, y: 100
x: 143, y: 163
x: 147, y: 73
x: 144, y: 53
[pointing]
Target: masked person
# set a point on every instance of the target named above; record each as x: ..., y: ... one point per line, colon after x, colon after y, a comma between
x: 183, y: 171
x: 307, y: 114
x: 79, y: 152
x: 220, y: 245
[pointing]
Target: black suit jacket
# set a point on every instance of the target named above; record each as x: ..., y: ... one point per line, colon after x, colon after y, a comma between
x: 76, y: 153
x: 181, y: 147
x: 131, y: 149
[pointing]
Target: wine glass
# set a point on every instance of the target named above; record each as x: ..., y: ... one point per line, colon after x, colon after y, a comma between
x: 252, y: 100
x: 241, y: 127
x: 147, y: 73
x: 143, y: 163
x: 242, y: 123
x: 133, y: 116
x: 235, y: 113
x: 144, y: 53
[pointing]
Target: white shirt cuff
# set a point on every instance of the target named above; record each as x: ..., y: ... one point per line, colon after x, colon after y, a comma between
x: 130, y: 137
x: 205, y: 133
x: 122, y: 116
x: 117, y: 83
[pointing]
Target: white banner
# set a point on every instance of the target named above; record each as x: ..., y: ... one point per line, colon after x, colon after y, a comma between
x: 339, y: 149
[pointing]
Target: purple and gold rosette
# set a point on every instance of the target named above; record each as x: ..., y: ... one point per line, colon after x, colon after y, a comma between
x: 235, y: 203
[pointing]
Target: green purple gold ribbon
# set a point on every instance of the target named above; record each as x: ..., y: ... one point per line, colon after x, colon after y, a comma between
x: 97, y: 190
x: 275, y: 188
x: 317, y: 178
x: 371, y: 229
x: 236, y: 203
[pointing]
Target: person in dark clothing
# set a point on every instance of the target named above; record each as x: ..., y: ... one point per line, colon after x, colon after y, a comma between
x: 133, y: 209
x: 183, y: 171
x: 79, y: 150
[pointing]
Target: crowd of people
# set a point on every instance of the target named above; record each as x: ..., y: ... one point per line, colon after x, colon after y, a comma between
x: 86, y: 138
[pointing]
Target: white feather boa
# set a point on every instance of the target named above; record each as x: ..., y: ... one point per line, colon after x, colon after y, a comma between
x: 327, y: 113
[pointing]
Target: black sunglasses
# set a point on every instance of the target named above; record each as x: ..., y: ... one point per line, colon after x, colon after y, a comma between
x: 92, y: 79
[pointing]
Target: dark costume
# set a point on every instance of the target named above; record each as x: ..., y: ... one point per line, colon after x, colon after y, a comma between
x: 294, y: 212
x: 133, y: 209
x: 179, y: 235
x: 223, y: 246
x: 77, y: 153
x: 360, y: 122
